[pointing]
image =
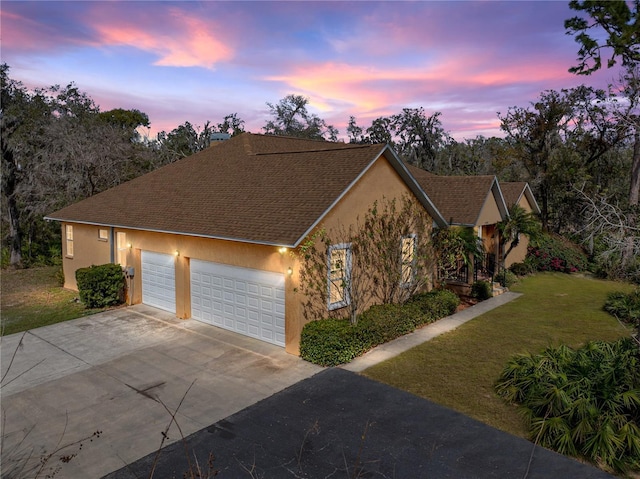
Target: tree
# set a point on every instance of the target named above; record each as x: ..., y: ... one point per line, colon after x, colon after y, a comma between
x: 291, y: 118
x: 420, y: 137
x: 128, y: 120
x: 185, y: 140
x: 381, y: 131
x: 355, y: 132
x: 57, y: 149
x: 535, y: 135
x: 520, y: 222
x: 454, y: 249
x: 231, y: 124
x: 620, y: 25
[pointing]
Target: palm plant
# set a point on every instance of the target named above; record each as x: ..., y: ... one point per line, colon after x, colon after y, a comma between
x: 583, y: 402
x: 520, y: 222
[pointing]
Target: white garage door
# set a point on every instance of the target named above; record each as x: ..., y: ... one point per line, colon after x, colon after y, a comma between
x: 159, y: 280
x: 243, y: 300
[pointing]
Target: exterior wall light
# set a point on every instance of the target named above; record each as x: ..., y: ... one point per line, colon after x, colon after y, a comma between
x: 282, y: 250
x: 289, y: 271
x: 176, y: 253
x: 129, y: 245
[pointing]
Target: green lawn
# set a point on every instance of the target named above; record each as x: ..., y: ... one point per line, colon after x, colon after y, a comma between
x: 459, y: 369
x: 33, y: 297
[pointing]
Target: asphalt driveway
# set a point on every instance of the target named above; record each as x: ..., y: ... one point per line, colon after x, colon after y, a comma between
x: 115, y: 372
x: 338, y: 424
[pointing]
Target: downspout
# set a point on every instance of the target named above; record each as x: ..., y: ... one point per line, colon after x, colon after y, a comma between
x: 112, y: 255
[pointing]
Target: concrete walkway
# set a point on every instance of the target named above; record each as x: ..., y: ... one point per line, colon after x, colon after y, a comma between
x: 426, y: 333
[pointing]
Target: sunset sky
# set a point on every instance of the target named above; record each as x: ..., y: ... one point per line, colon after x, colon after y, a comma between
x: 200, y: 60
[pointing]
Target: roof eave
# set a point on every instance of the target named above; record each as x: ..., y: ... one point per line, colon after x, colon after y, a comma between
x: 180, y: 233
x: 532, y: 199
x: 415, y: 187
x: 495, y: 190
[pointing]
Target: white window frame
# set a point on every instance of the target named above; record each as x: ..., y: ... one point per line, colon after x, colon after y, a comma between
x: 408, y: 263
x: 102, y: 237
x: 344, y: 279
x: 121, y: 243
x: 68, y: 229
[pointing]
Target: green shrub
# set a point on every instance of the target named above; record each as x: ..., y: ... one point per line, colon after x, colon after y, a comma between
x: 101, y: 286
x: 554, y: 253
x: 436, y: 304
x: 481, y: 290
x: 583, y: 403
x: 329, y: 342
x: 624, y: 306
x: 506, y: 278
x: 520, y: 269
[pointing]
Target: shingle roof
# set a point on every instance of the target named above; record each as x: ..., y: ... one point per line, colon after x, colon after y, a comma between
x: 252, y: 188
x: 459, y: 198
x: 513, y: 191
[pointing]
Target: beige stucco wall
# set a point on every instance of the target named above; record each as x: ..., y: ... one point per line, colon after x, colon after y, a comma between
x: 381, y: 180
x: 489, y: 214
x: 519, y: 253
x: 88, y: 251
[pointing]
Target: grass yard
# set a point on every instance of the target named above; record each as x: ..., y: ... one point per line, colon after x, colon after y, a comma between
x: 459, y: 369
x: 33, y: 297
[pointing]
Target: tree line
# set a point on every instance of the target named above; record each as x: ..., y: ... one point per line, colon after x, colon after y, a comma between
x: 578, y: 148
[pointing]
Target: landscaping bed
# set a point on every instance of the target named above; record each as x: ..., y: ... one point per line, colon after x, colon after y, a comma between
x: 329, y: 342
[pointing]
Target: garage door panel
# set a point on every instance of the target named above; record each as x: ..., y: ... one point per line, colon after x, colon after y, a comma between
x: 158, y: 280
x: 247, y: 301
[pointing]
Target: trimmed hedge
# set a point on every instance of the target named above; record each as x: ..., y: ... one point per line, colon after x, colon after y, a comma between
x: 329, y: 342
x: 101, y: 286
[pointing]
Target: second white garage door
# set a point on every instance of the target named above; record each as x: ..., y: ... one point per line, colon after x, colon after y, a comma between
x: 247, y: 301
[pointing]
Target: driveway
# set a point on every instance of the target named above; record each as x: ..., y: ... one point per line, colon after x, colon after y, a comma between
x: 115, y: 372
x: 339, y: 424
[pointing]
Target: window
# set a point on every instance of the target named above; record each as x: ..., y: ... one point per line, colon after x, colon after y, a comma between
x: 103, y: 234
x: 69, y: 240
x: 408, y: 259
x: 339, y: 275
x: 121, y: 240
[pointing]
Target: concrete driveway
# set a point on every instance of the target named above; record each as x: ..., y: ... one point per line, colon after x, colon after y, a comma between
x: 115, y: 372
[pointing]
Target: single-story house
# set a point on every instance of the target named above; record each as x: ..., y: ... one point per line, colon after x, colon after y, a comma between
x: 519, y: 193
x: 211, y: 236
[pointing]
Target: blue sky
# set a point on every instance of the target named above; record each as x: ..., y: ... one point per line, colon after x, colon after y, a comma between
x: 201, y: 60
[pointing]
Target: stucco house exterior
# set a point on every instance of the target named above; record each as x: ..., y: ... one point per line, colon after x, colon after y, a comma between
x: 519, y: 193
x: 211, y: 236
x: 473, y: 202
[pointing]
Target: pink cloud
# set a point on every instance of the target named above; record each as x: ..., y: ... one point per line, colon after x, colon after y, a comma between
x: 190, y: 42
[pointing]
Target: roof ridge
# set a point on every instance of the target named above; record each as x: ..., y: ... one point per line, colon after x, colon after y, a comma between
x: 355, y: 147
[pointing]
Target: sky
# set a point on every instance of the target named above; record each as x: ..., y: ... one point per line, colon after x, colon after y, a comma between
x: 201, y: 60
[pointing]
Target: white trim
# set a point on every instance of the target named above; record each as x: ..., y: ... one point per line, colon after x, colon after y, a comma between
x: 345, y: 278
x: 68, y: 236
